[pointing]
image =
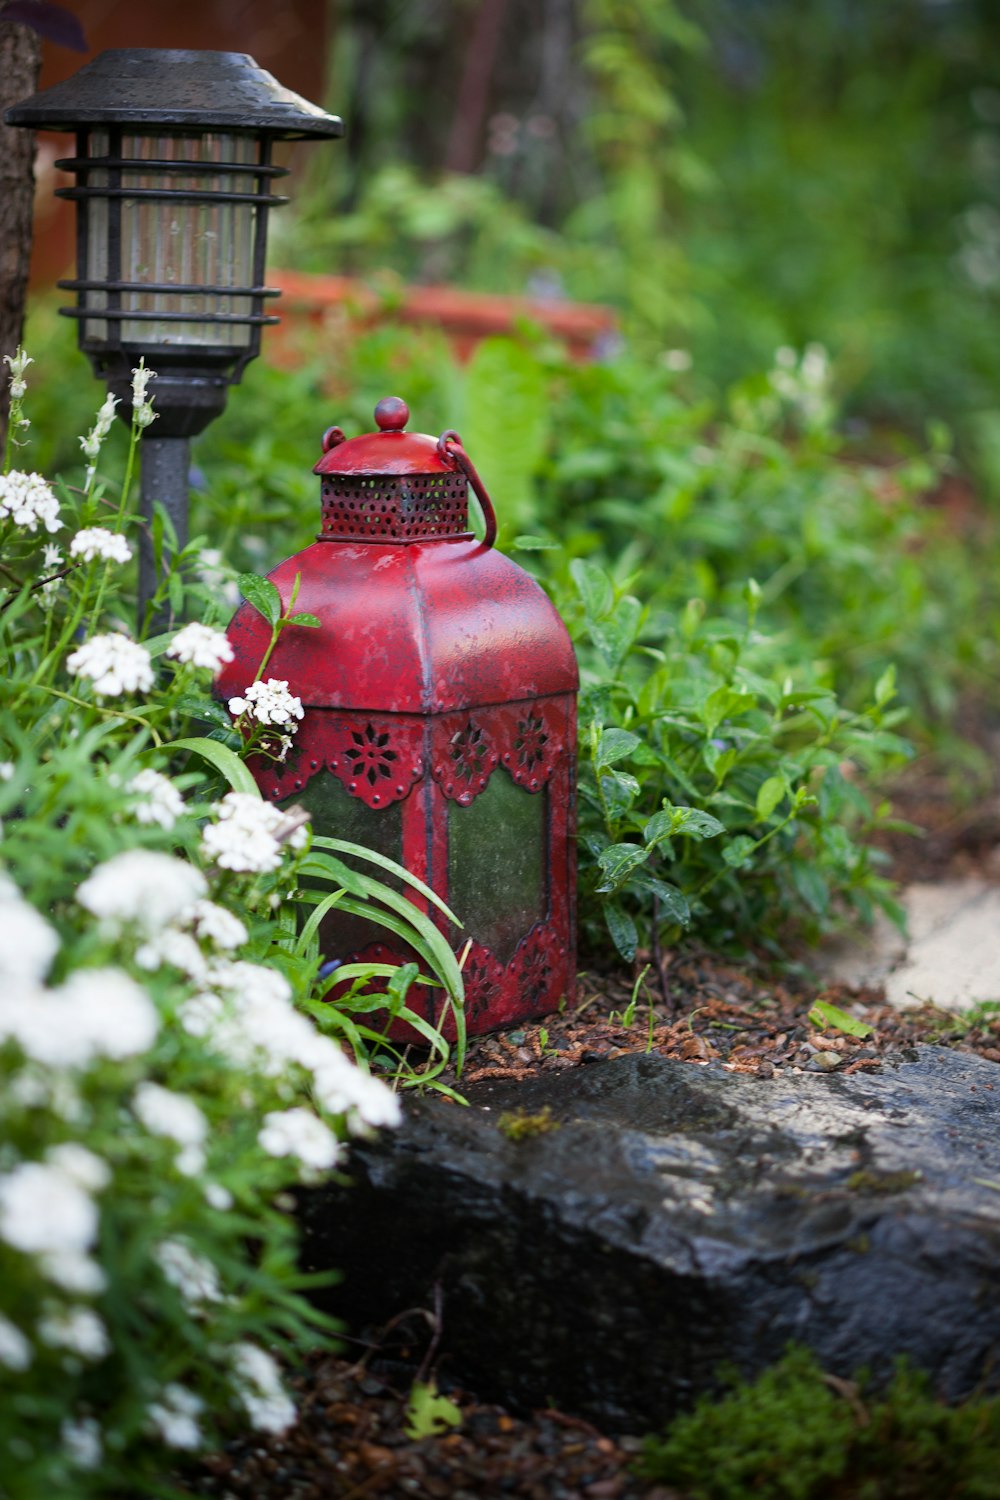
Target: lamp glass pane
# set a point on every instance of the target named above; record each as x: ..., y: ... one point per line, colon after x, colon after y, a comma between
x: 188, y: 243
x: 497, y: 870
x: 96, y: 329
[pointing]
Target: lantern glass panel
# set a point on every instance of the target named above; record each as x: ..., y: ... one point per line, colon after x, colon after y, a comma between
x: 496, y: 863
x: 189, y: 242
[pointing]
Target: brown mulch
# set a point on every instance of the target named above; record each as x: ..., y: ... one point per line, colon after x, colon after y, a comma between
x: 350, y: 1441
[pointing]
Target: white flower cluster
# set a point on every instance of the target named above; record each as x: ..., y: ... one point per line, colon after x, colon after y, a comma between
x: 141, y: 888
x: 27, y: 943
x: 248, y: 834
x: 191, y: 1274
x: 77, y: 1329
x: 158, y: 802
x: 97, y: 1013
x: 94, y: 441
x: 28, y: 499
x: 98, y: 542
x: 248, y: 1017
x: 142, y: 406
x: 177, y: 1117
x: 199, y: 645
x: 82, y: 1442
x: 18, y: 363
x: 299, y: 1133
x: 258, y: 1381
x: 114, y: 664
x: 804, y: 382
x: 174, y: 1417
x: 268, y: 702
x: 47, y: 1210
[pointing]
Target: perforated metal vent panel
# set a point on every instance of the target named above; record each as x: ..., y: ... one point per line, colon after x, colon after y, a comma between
x: 394, y: 508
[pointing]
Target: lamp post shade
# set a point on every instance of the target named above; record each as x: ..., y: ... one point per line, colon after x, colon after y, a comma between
x: 439, y: 726
x: 174, y: 180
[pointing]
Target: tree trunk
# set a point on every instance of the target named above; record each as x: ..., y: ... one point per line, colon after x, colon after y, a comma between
x: 20, y: 60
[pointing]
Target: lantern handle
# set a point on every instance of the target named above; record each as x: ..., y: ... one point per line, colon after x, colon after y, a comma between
x: 451, y: 451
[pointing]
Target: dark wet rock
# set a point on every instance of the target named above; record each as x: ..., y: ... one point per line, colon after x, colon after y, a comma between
x: 680, y: 1218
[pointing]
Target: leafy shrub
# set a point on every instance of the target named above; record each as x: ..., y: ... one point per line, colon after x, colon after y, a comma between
x: 168, y: 1066
x: 718, y: 783
x: 797, y: 1434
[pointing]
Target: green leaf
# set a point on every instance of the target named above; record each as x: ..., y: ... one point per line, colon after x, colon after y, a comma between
x: 618, y: 861
x: 771, y: 792
x: 262, y: 594
x: 505, y: 423
x: 737, y: 853
x: 534, y: 544
x: 695, y: 824
x: 614, y: 745
x: 226, y: 761
x: 620, y: 791
x: 622, y: 929
x: 673, y: 903
x: 594, y: 586
x: 885, y: 688
x: 320, y: 866
x: 205, y: 710
x: 310, y: 620
x: 429, y: 1414
x: 823, y: 1014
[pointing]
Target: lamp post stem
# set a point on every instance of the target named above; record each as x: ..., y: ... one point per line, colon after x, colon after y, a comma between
x: 166, y: 463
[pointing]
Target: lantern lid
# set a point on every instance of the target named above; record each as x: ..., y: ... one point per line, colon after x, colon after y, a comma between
x: 174, y: 87
x: 391, y: 450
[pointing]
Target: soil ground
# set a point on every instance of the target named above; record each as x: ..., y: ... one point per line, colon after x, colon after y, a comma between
x: 350, y: 1440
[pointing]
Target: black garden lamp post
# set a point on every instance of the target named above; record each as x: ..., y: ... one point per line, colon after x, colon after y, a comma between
x: 173, y: 186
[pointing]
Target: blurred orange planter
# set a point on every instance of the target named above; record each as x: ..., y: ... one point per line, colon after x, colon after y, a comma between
x: 464, y: 317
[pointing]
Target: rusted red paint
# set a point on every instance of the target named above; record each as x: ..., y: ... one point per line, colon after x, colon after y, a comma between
x: 438, y: 664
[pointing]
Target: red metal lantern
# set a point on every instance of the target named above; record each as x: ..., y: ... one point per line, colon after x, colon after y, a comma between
x: 440, y: 712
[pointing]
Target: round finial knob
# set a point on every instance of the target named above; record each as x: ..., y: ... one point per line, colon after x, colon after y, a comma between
x: 392, y: 414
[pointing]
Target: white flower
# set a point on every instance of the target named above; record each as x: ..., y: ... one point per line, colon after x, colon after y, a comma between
x: 7, y: 769
x: 96, y: 1013
x: 28, y: 499
x: 217, y: 1196
x: 258, y: 1383
x: 91, y: 444
x: 174, y: 1417
x: 117, y: 1018
x: 51, y: 556
x: 97, y: 542
x: 161, y: 802
x: 249, y: 834
x: 80, y: 1165
x: 143, y: 888
x: 214, y: 924
x: 268, y: 702
x: 343, y: 1088
x: 115, y: 665
x: 27, y: 943
x: 74, y: 1272
x: 194, y: 1277
x: 41, y: 1209
x: 297, y: 1132
x: 178, y: 949
x: 82, y: 1442
x: 17, y: 362
x: 15, y: 1351
x: 78, y: 1329
x: 199, y: 645
x: 165, y: 1113
x: 142, y: 408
